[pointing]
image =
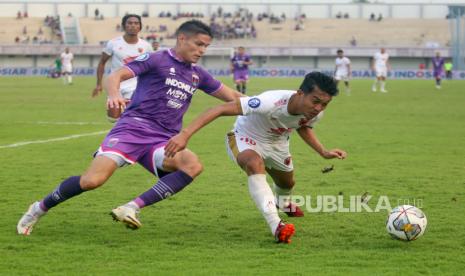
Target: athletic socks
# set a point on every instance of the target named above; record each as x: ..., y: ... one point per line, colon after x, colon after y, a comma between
x: 166, y: 186
x: 283, y: 196
x: 244, y: 88
x: 264, y: 200
x: 238, y: 87
x: 66, y: 190
x: 383, y: 84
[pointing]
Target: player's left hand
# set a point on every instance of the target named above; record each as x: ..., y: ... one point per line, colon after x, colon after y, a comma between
x: 176, y: 144
x: 334, y: 153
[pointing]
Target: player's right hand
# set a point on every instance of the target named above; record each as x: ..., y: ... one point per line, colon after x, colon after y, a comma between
x: 176, y: 144
x: 116, y: 102
x: 97, y: 90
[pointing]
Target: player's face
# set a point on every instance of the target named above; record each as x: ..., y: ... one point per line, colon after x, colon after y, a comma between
x: 241, y: 51
x: 192, y: 47
x: 340, y: 54
x: 132, y: 26
x: 383, y: 50
x: 313, y: 103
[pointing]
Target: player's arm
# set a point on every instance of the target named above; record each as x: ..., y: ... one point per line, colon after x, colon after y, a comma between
x: 308, y: 135
x: 349, y: 68
x: 179, y: 141
x: 388, y: 65
x: 100, y: 70
x: 227, y: 94
x: 115, y: 100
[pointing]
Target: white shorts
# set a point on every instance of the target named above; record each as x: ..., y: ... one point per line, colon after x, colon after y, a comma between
x: 67, y: 69
x: 275, y: 156
x: 339, y: 76
x: 381, y: 72
x: 127, y: 92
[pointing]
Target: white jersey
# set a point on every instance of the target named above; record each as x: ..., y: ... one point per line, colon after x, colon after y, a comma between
x: 67, y: 58
x: 122, y: 53
x: 381, y: 60
x: 342, y: 66
x: 266, y: 119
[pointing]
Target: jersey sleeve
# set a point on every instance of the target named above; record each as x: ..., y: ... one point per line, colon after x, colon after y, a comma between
x: 108, y: 49
x: 143, y: 63
x: 256, y: 104
x: 207, y: 82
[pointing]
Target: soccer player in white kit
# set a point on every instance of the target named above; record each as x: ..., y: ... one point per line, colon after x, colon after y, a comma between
x: 343, y: 70
x: 259, y: 143
x: 381, y: 66
x: 122, y: 50
x: 67, y: 66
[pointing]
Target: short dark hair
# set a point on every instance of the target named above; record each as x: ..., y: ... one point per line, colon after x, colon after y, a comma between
x: 194, y: 27
x: 339, y: 51
x: 127, y: 16
x: 322, y: 81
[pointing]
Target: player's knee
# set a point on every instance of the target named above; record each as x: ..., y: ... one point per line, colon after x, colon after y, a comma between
x: 91, y: 182
x: 191, y: 166
x: 254, y: 165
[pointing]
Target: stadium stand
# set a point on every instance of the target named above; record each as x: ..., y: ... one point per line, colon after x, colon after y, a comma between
x: 32, y: 30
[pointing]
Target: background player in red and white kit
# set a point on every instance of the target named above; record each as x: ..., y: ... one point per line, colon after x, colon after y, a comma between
x: 122, y: 50
x: 381, y: 66
x: 67, y: 66
x: 343, y: 70
x: 259, y: 143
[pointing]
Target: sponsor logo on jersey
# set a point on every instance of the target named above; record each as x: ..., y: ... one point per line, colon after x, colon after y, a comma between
x: 180, y: 85
x: 143, y: 57
x: 172, y: 71
x: 254, y: 102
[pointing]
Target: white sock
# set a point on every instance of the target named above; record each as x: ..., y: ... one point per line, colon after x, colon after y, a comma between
x: 283, y: 196
x: 382, y: 85
x: 70, y: 79
x: 264, y: 200
x: 133, y: 205
x: 64, y: 80
x: 37, y: 210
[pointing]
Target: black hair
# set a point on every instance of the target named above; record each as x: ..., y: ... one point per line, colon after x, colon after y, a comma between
x: 339, y: 51
x: 322, y: 81
x: 194, y: 27
x: 127, y: 16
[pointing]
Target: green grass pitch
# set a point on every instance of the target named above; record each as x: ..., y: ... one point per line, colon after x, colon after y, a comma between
x: 408, y: 144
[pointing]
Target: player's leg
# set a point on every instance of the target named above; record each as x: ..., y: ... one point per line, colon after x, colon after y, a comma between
x: 174, y: 175
x: 374, y: 87
x: 383, y: 84
x: 70, y: 76
x: 97, y: 174
x: 64, y: 77
x: 283, y: 186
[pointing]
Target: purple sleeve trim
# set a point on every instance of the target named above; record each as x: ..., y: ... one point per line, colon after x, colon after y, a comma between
x: 218, y: 89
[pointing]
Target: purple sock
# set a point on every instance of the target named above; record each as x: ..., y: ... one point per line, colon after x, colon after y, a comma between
x: 66, y: 190
x: 166, y: 186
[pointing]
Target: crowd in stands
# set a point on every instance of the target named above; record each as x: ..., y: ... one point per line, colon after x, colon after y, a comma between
x: 39, y: 38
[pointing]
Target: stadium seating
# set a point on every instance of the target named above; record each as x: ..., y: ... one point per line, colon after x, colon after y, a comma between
x: 315, y: 32
x: 13, y: 28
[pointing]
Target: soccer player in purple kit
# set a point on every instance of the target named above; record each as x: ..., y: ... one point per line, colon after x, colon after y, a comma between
x: 240, y: 68
x: 438, y: 65
x: 167, y: 80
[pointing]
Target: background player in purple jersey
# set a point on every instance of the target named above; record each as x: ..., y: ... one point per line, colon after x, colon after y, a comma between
x: 240, y: 68
x: 438, y: 65
x: 167, y: 80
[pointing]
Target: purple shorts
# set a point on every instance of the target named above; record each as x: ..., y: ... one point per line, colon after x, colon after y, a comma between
x: 135, y: 140
x: 241, y: 75
x: 437, y: 74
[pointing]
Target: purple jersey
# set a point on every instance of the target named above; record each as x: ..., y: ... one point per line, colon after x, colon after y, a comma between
x: 238, y: 62
x: 438, y: 64
x: 165, y: 88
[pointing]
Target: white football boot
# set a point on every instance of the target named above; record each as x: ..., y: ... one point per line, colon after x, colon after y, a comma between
x: 29, y: 219
x: 128, y: 215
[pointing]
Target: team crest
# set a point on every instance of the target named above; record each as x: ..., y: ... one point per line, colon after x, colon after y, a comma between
x: 195, y: 80
x: 254, y: 102
x: 288, y: 161
x: 112, y: 142
x: 172, y: 71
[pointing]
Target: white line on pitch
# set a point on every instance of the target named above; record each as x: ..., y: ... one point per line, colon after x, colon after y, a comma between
x: 53, y: 139
x: 69, y: 123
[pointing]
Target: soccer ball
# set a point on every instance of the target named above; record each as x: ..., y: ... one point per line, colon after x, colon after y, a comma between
x: 406, y: 223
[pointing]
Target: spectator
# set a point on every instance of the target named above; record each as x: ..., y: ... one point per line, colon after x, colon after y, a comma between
x: 18, y: 15
x: 17, y: 39
x: 25, y: 15
x: 40, y: 31
x: 372, y: 17
x: 353, y: 42
x: 145, y: 14
x: 346, y: 15
x: 25, y: 30
x: 339, y: 15
x: 96, y: 13
x: 380, y: 17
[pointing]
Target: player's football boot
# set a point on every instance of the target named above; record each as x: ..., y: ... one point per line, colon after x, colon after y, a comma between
x: 127, y: 215
x: 284, y: 232
x: 383, y: 91
x: 29, y: 219
x: 292, y: 210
